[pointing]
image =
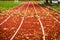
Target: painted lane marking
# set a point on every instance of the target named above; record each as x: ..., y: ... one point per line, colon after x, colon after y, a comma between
x: 17, y: 29
x: 50, y: 15
x: 7, y: 18
x: 40, y: 24
x: 53, y: 17
x: 19, y: 25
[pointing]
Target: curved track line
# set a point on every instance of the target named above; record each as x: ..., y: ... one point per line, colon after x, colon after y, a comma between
x: 7, y: 18
x: 19, y: 25
x: 42, y: 29
x: 50, y: 14
x: 17, y: 29
x: 53, y: 17
x: 40, y: 24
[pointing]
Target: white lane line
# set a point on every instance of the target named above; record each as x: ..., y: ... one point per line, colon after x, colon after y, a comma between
x: 50, y: 15
x: 19, y: 25
x: 5, y: 20
x: 17, y: 29
x: 53, y: 17
x: 27, y: 8
x: 42, y: 29
x: 8, y: 17
x: 40, y: 24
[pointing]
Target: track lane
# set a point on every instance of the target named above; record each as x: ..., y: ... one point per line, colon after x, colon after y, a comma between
x: 30, y: 11
x: 19, y: 25
x: 42, y: 27
x: 54, y: 13
x: 6, y: 15
x: 30, y: 29
x: 2, y: 18
x: 17, y: 29
x: 7, y: 29
x: 48, y: 12
x: 51, y: 26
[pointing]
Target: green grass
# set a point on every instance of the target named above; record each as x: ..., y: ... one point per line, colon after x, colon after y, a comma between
x: 56, y: 6
x: 7, y: 4
x: 10, y: 4
x: 4, y: 5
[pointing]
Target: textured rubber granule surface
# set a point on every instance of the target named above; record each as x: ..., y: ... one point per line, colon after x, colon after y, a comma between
x: 30, y: 21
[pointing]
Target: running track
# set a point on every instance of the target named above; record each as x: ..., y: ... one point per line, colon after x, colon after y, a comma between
x: 30, y: 21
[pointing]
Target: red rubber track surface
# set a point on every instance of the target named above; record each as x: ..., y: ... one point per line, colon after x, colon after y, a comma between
x: 39, y: 21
